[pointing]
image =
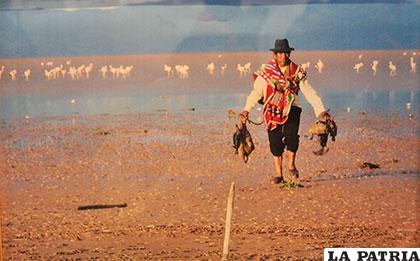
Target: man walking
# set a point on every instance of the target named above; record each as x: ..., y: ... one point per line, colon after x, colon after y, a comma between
x: 276, y: 86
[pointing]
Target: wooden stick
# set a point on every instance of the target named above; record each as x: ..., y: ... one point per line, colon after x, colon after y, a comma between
x: 99, y: 206
x: 1, y: 237
x: 2, y: 206
x: 228, y: 223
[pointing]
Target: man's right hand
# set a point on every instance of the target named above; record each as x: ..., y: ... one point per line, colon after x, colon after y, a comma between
x: 244, y: 115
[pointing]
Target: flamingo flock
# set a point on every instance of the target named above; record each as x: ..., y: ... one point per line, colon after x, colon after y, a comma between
x: 392, y: 68
x: 306, y: 66
x: 243, y: 69
x: 181, y: 71
x: 211, y: 68
x: 75, y: 72
x: 121, y: 72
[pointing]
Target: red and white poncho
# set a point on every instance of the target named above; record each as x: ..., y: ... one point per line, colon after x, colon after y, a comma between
x: 280, y: 91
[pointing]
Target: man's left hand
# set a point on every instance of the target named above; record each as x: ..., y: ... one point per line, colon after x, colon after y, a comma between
x: 325, y: 115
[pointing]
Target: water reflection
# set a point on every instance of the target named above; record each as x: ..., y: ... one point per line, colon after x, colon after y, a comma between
x: 394, y: 101
x: 373, y: 101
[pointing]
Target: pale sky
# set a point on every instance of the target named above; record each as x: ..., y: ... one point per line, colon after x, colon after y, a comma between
x: 138, y: 29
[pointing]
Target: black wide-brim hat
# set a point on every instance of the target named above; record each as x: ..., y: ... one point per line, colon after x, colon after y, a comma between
x: 282, y: 46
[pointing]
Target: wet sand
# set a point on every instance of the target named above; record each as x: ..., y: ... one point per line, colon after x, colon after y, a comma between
x: 174, y: 172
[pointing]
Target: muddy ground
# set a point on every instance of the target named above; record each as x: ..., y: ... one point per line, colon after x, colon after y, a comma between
x: 174, y: 172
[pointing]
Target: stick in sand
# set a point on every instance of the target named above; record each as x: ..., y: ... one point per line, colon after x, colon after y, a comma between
x: 228, y: 221
x: 1, y: 239
x: 1, y: 230
x: 102, y: 206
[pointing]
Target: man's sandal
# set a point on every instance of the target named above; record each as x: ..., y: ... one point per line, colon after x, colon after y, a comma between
x: 277, y: 180
x: 294, y: 173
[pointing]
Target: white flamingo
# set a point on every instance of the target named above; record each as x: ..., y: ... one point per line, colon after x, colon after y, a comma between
x: 182, y: 71
x: 128, y: 70
x: 247, y: 67
x: 48, y: 74
x: 168, y: 69
x: 357, y: 67
x: 55, y: 72
x: 118, y: 71
x: 392, y: 69
x: 13, y: 74
x: 223, y: 69
x: 125, y: 72
x: 26, y: 74
x: 412, y: 66
x: 79, y: 71
x: 177, y: 69
x: 210, y: 68
x: 374, y: 66
x: 103, y: 70
x: 73, y: 72
x: 1, y: 71
x: 319, y: 66
x: 113, y: 70
x: 63, y: 73
x: 305, y: 66
x: 186, y: 71
x: 241, y: 70
x: 88, y: 70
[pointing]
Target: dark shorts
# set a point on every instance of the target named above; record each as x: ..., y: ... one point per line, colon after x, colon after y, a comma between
x: 286, y: 135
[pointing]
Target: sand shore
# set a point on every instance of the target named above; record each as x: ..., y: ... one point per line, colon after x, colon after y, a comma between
x: 174, y: 172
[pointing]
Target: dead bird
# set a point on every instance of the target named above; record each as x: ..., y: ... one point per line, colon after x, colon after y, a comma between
x: 242, y: 141
x: 322, y: 129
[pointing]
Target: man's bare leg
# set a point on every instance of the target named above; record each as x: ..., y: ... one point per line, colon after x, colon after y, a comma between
x: 278, y: 163
x: 291, y: 160
x: 279, y: 169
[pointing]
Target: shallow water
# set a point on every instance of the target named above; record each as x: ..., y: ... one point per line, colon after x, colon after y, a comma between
x: 382, y: 102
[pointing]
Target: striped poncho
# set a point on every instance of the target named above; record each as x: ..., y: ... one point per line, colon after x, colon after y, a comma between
x: 280, y: 92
